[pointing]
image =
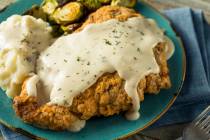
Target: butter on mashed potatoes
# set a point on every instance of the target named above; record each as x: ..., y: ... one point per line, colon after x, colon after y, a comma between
x: 22, y: 38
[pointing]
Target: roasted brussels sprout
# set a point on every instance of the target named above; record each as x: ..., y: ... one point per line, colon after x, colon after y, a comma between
x: 63, y: 2
x: 36, y: 12
x: 105, y: 1
x: 70, y: 28
x: 69, y: 13
x: 49, y: 6
x: 91, y: 4
x: 126, y: 3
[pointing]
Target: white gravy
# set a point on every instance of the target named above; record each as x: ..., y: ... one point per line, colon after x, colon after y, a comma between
x: 75, y: 62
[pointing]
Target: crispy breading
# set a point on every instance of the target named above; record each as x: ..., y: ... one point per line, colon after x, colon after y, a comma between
x: 105, y: 98
x: 47, y: 116
x: 110, y: 12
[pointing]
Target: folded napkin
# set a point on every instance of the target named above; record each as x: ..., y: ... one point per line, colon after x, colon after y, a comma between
x: 195, y: 95
x: 194, y: 31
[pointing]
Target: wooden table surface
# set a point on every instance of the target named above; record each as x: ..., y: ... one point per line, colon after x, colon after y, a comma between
x: 167, y: 132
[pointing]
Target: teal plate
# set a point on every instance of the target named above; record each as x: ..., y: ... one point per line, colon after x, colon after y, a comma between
x: 113, y: 127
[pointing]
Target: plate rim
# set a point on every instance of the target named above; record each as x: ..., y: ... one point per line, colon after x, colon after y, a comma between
x: 26, y: 133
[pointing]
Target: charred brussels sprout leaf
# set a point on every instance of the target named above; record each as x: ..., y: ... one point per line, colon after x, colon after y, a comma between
x: 70, y: 28
x: 69, y: 13
x: 49, y: 6
x: 91, y: 4
x: 126, y: 3
x: 36, y: 12
x: 105, y: 1
x: 63, y: 2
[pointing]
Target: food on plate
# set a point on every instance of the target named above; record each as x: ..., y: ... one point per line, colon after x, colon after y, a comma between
x: 22, y: 39
x: 126, y: 3
x: 70, y: 28
x: 91, y: 4
x: 99, y: 67
x: 104, y: 68
x: 37, y: 12
x: 49, y: 6
x: 69, y: 13
x: 105, y: 1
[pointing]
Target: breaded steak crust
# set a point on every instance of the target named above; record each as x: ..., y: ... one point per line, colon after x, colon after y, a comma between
x: 104, y: 98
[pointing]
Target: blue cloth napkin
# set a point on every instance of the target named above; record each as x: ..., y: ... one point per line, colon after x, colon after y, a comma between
x: 194, y: 31
x: 195, y: 95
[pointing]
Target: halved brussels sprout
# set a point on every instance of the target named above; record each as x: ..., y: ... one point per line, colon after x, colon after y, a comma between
x: 126, y: 3
x: 36, y: 12
x: 69, y: 13
x: 91, y: 4
x: 105, y: 1
x: 70, y: 28
x: 49, y: 6
x: 63, y: 2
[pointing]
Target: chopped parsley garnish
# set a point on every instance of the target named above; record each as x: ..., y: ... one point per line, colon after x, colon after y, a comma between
x: 78, y: 59
x: 142, y: 33
x: 129, y: 27
x: 114, y: 31
x: 117, y: 42
x: 25, y: 41
x: 138, y: 50
x: 107, y: 42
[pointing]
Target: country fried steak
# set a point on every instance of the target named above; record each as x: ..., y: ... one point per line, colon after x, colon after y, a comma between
x: 104, y: 98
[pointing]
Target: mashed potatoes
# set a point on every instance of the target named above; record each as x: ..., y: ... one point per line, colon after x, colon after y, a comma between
x: 22, y: 38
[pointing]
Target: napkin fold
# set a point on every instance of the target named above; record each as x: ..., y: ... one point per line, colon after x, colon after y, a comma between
x: 194, y: 31
x: 195, y: 94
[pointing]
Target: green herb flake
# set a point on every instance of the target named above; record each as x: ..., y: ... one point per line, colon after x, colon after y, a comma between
x: 142, y: 33
x: 107, y: 42
x: 117, y: 42
x: 138, y: 50
x: 78, y: 59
